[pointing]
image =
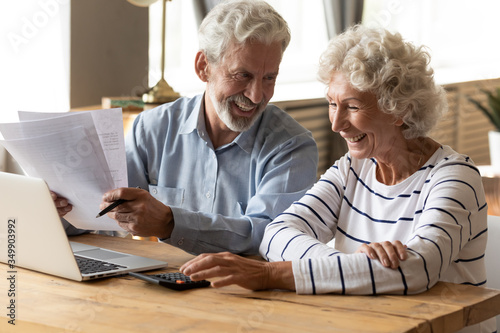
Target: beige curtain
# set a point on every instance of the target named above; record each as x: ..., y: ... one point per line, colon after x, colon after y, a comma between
x: 341, y: 14
x: 202, y: 7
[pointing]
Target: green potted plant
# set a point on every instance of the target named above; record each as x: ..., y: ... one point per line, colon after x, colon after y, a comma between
x: 492, y: 112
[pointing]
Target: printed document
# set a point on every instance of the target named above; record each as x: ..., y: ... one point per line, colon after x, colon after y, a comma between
x: 81, y: 155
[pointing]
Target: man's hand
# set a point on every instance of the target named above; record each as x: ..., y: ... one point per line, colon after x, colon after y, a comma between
x: 62, y: 204
x: 389, y: 254
x: 234, y: 269
x: 141, y: 214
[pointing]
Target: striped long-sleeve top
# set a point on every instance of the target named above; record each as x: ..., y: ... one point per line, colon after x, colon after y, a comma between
x: 439, y: 212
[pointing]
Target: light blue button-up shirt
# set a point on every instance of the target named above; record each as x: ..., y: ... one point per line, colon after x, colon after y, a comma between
x: 222, y: 199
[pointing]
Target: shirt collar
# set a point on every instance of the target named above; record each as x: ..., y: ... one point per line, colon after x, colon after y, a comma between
x: 245, y: 140
x: 196, y: 120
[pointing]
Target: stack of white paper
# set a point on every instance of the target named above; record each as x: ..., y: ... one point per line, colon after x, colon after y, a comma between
x: 81, y: 155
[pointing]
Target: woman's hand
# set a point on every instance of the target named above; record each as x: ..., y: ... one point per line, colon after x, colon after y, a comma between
x: 62, y: 205
x: 233, y: 269
x: 389, y: 254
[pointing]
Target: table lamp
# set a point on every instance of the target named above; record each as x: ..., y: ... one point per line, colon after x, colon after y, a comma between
x: 162, y: 92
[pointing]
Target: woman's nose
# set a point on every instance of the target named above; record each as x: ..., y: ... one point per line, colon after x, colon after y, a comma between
x: 338, y: 119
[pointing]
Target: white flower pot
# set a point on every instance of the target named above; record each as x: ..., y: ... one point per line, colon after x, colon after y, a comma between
x: 494, y: 141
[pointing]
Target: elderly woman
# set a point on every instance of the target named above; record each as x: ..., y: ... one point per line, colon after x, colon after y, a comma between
x: 398, y: 213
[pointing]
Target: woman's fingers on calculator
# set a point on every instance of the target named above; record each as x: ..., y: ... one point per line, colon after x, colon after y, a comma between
x: 229, y: 269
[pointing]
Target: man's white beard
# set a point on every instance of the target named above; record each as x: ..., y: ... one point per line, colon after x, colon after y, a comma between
x: 235, y: 123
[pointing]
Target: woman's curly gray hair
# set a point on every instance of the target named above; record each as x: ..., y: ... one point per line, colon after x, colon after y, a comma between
x: 239, y: 22
x: 397, y: 72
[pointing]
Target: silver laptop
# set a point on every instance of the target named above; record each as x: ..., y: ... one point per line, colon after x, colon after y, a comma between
x: 33, y: 237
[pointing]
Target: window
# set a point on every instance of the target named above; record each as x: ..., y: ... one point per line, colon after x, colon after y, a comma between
x: 309, y: 38
x: 34, y: 61
x: 299, y: 65
x: 180, y: 47
x: 461, y: 34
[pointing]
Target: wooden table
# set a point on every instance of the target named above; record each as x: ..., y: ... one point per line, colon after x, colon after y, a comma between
x: 123, y: 304
x: 491, y: 184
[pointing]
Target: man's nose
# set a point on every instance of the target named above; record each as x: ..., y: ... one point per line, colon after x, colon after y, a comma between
x: 255, y: 91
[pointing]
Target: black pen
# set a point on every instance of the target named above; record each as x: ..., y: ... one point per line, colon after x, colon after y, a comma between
x: 110, y: 207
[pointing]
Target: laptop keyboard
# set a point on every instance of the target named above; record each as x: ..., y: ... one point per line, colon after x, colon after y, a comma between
x: 89, y: 265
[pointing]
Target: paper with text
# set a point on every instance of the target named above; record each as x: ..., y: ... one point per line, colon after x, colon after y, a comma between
x: 109, y: 126
x: 79, y: 155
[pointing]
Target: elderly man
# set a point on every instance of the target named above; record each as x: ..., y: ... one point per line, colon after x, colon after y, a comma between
x: 215, y: 169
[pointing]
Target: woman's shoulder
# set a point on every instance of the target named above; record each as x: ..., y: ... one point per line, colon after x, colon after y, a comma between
x: 447, y: 160
x: 447, y: 155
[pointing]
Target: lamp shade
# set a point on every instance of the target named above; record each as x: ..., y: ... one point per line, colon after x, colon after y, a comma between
x: 142, y: 3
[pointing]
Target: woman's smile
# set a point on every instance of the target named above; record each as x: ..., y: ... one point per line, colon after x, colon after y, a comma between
x: 355, y: 138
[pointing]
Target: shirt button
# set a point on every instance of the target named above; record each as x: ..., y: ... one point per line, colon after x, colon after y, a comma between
x: 208, y: 195
x: 180, y: 242
x: 155, y: 191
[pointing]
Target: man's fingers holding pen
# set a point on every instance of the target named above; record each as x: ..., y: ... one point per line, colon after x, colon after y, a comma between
x: 141, y: 214
x: 129, y: 199
x: 125, y: 193
x: 121, y: 195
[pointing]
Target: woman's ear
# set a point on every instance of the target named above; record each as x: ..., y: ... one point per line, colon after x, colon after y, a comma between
x: 399, y: 122
x: 201, y: 66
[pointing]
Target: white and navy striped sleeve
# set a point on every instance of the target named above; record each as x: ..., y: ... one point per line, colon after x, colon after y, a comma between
x: 304, y: 229
x: 445, y: 237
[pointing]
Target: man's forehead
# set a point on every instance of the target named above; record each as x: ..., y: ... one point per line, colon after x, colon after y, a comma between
x: 248, y: 55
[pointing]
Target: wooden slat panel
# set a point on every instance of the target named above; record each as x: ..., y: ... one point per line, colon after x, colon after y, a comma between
x: 471, y: 126
x: 313, y: 115
x: 445, y: 130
